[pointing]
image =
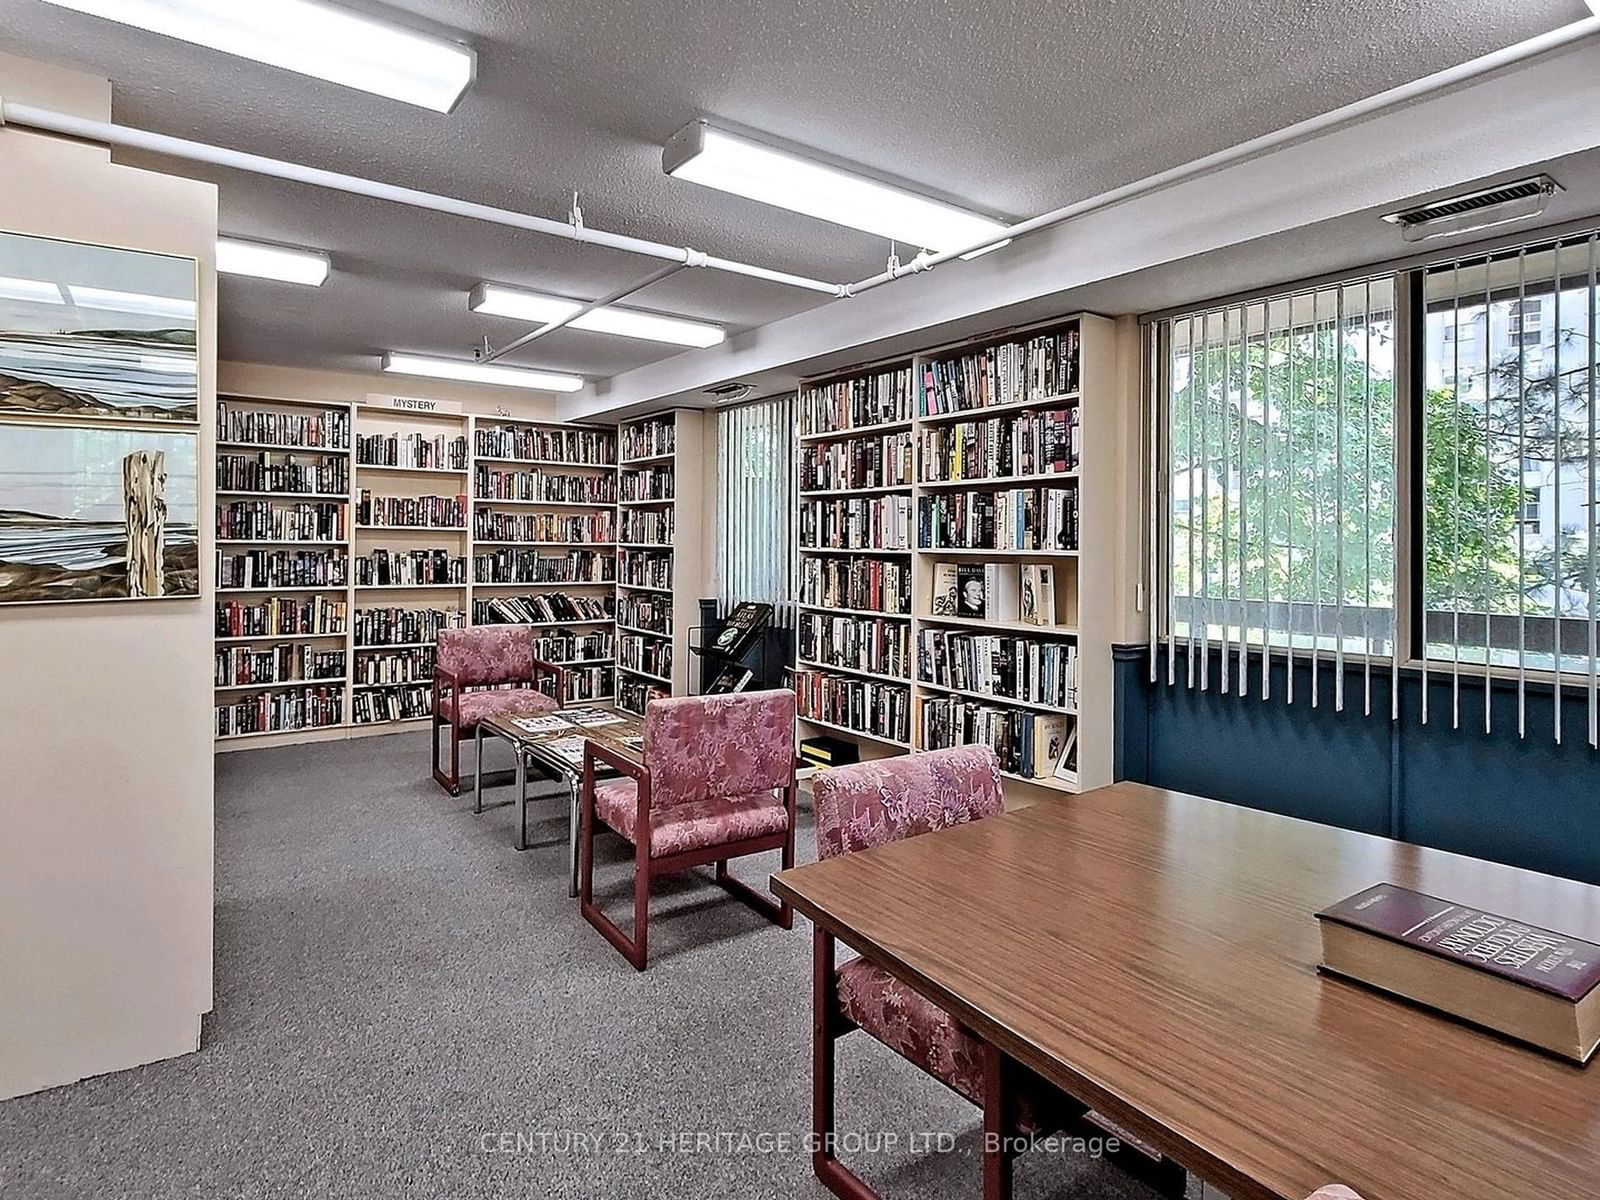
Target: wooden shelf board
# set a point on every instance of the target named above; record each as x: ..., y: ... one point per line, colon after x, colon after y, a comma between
x: 858, y: 431
x: 1003, y: 701
x: 283, y: 449
x: 661, y: 679
x: 855, y: 733
x: 983, y: 553
x: 998, y: 481
x: 649, y: 633
x: 1007, y: 626
x: 486, y: 500
x: 647, y: 460
x: 281, y: 637
x: 412, y: 528
x: 227, y: 591
x: 644, y: 587
x: 885, y: 490
x: 545, y: 462
x: 865, y: 551
x: 340, y: 497
x: 361, y: 466
x: 411, y: 587
x: 881, y: 676
x: 277, y: 685
x: 547, y: 583
x: 853, y: 612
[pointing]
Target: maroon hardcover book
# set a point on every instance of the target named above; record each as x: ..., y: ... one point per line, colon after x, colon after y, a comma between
x: 1540, y: 958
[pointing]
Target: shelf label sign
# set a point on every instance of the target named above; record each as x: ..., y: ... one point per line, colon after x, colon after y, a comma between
x: 411, y: 404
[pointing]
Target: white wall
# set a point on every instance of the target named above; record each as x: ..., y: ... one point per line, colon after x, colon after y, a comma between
x: 105, y: 709
x: 353, y: 387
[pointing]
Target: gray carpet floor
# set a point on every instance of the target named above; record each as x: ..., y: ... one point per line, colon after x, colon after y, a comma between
x: 407, y: 1007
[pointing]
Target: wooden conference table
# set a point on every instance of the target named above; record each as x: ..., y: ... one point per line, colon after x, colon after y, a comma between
x: 1154, y: 954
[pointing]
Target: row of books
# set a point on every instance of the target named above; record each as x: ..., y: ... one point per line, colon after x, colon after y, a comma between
x: 859, y: 523
x: 886, y: 461
x: 648, y: 526
x: 405, y: 702
x: 289, y: 663
x: 288, y: 476
x: 399, y: 568
x: 1014, y: 519
x: 573, y: 647
x: 858, y: 643
x: 432, y: 512
x: 416, y: 451
x: 272, y: 712
x: 982, y: 591
x: 282, y: 568
x: 573, y: 447
x: 879, y: 584
x: 1003, y: 666
x: 328, y: 430
x: 511, y: 565
x: 651, y: 613
x: 381, y: 667
x: 1033, y: 745
x: 649, y: 438
x: 846, y: 404
x: 1034, y: 443
x: 268, y: 520
x: 280, y: 615
x: 1037, y: 368
x: 547, y: 608
x: 646, y: 568
x: 591, y: 683
x: 634, y: 692
x: 647, y: 483
x: 402, y: 626
x: 882, y: 709
x: 544, y: 485
x: 491, y: 525
x: 650, y: 655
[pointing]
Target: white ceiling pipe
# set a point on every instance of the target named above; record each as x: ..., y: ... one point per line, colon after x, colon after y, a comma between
x: 1415, y: 90
x: 562, y: 322
x: 29, y: 117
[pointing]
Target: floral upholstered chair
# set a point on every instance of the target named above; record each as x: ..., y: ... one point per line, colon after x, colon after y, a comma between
x: 870, y: 804
x: 487, y: 670
x: 717, y: 783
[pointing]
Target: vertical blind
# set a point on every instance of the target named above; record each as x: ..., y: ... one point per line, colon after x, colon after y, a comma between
x: 1508, y: 575
x: 1280, y: 490
x: 755, y: 490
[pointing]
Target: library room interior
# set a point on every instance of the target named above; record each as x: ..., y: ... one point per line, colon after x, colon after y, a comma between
x: 802, y: 600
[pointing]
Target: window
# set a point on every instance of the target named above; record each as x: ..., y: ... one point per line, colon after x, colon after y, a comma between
x: 1280, y: 484
x: 755, y: 504
x: 1510, y: 450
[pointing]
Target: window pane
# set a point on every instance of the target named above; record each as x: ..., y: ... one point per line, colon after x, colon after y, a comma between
x: 1281, y: 490
x: 1509, y: 488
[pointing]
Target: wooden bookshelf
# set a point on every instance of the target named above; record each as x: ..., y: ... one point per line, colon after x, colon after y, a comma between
x: 1081, y: 615
x: 402, y: 473
x: 659, y: 554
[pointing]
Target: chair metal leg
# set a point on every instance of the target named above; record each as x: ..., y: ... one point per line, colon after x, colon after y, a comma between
x: 522, y: 800
x: 574, y: 818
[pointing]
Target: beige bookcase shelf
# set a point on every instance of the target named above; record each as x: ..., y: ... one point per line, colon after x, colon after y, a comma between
x: 1083, y: 603
x: 405, y: 479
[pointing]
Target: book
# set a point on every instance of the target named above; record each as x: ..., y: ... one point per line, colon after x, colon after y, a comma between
x: 548, y: 723
x: 944, y: 590
x: 1037, y: 602
x: 1049, y: 744
x: 1067, y: 766
x: 972, y: 593
x: 731, y: 677
x: 1516, y: 979
x: 828, y: 751
x: 739, y: 631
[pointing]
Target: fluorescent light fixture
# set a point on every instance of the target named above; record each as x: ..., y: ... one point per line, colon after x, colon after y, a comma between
x: 472, y: 372
x: 139, y: 303
x: 313, y: 38
x: 540, y: 309
x: 731, y: 163
x: 261, y: 261
x: 31, y: 291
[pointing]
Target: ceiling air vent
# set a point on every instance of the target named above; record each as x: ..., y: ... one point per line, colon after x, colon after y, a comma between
x: 730, y: 391
x: 1499, y: 205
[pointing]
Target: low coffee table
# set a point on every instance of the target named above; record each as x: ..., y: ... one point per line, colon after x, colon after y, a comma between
x: 553, y: 743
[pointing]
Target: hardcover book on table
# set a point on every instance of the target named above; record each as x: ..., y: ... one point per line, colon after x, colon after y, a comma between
x: 1528, y: 983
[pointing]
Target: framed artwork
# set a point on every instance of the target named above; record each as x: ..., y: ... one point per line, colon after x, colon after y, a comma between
x: 95, y: 333
x: 94, y: 512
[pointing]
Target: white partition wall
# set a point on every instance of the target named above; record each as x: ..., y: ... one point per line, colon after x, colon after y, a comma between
x: 106, y: 796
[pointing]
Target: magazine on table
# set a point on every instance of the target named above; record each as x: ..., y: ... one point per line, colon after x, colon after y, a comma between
x: 543, y: 723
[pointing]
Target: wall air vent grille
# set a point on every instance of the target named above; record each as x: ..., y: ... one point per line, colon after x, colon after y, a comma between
x: 1478, y: 210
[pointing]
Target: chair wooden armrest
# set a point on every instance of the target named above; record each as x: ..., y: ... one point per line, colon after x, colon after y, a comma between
x: 446, y: 683
x: 558, y: 678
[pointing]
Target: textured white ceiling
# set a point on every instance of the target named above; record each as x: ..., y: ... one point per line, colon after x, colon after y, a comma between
x: 1012, y: 106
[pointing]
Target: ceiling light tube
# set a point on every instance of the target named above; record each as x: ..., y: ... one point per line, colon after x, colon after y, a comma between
x: 260, y: 261
x: 472, y: 372
x: 537, y: 308
x: 311, y: 38
x: 732, y: 163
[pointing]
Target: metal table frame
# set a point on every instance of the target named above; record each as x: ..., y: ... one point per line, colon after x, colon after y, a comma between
x: 527, y: 755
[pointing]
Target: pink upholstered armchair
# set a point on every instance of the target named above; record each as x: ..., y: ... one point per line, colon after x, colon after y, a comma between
x: 483, y: 671
x: 870, y: 804
x: 717, y: 783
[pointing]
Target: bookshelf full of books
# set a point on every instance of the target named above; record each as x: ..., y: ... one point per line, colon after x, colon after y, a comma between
x: 659, y: 558
x: 955, y: 539
x: 350, y: 535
